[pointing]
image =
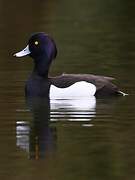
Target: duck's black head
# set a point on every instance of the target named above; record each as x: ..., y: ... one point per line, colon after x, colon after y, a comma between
x: 39, y: 44
x: 42, y: 49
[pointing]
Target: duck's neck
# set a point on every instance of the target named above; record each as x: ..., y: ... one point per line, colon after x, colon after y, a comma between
x: 41, y: 67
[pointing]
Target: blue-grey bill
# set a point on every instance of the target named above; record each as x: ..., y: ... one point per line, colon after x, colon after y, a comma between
x: 24, y: 52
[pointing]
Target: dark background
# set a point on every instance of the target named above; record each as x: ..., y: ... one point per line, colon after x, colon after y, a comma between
x: 92, y: 36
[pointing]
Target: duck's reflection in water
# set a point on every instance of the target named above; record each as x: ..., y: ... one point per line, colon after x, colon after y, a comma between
x: 73, y: 109
x: 39, y: 136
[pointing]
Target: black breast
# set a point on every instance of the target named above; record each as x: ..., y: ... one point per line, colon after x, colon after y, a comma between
x: 37, y: 86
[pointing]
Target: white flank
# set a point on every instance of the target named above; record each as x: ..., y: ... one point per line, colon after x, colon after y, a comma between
x: 78, y: 90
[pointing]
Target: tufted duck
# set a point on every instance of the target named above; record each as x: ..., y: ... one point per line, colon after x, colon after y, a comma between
x: 42, y: 48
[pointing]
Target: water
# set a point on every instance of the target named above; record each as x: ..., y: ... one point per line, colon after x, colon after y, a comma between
x: 68, y: 139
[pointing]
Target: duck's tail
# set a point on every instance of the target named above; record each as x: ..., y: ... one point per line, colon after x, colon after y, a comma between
x: 122, y: 93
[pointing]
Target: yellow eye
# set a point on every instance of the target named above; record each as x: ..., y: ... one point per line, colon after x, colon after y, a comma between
x: 36, y: 42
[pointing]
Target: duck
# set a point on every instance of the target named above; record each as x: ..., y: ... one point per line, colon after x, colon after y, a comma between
x: 42, y: 49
